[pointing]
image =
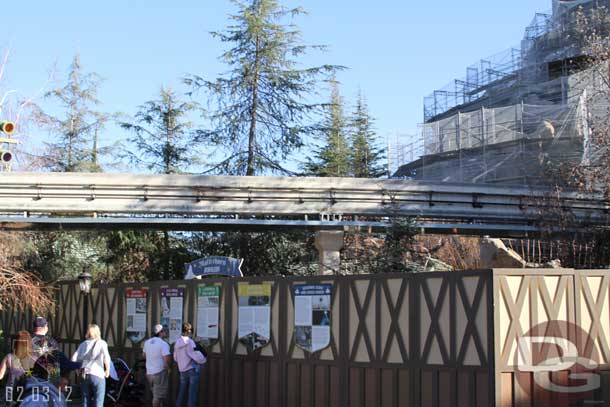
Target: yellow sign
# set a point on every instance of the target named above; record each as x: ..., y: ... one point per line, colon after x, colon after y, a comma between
x: 254, y: 290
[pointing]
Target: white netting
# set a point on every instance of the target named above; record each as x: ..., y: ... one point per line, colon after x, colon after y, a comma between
x: 504, y: 144
x: 485, y: 127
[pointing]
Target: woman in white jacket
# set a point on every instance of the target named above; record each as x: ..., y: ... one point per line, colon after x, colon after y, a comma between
x: 189, y: 363
x: 93, y: 353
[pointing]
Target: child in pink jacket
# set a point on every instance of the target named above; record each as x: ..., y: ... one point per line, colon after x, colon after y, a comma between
x: 189, y: 363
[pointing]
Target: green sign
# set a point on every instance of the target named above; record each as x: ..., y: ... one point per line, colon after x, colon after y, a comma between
x: 209, y: 291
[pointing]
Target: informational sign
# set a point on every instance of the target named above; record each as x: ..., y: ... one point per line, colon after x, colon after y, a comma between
x: 254, y: 322
x: 213, y: 266
x: 136, y: 314
x: 208, y: 300
x: 172, y: 300
x: 312, y: 310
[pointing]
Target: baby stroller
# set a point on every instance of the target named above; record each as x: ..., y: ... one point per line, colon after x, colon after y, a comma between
x: 126, y: 391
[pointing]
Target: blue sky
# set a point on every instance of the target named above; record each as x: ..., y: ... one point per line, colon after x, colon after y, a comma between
x: 398, y: 51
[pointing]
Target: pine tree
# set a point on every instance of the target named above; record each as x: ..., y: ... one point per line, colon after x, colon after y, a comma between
x: 333, y: 158
x: 366, y: 158
x: 77, y: 146
x: 164, y: 144
x: 259, y: 115
x: 161, y: 134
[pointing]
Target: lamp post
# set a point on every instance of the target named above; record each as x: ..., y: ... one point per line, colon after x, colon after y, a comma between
x: 84, y: 282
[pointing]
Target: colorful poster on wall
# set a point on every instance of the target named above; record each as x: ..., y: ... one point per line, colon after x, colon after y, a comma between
x: 208, y: 301
x: 312, y: 310
x: 136, y: 314
x: 254, y: 321
x: 172, y: 300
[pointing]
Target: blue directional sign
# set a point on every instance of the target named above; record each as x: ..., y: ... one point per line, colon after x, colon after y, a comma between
x: 214, y: 266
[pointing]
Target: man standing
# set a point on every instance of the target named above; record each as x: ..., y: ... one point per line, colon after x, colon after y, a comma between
x: 51, y: 363
x: 158, y: 359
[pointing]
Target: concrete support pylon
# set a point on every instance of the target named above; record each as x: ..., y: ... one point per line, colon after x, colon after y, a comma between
x: 329, y: 243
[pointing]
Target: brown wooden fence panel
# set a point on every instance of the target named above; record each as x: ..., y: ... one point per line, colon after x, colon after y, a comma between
x: 396, y: 340
x: 454, y: 339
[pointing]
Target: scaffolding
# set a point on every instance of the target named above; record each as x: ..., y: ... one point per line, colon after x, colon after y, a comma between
x: 534, y: 72
x: 507, y: 144
x: 514, y: 114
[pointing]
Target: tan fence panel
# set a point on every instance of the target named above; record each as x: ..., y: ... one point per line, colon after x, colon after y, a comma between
x: 527, y: 299
x: 593, y: 313
x: 523, y: 300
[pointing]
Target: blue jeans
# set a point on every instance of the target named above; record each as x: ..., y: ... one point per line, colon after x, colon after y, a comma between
x: 188, y: 380
x: 94, y: 391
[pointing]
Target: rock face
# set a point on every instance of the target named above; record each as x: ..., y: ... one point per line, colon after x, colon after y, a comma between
x: 494, y: 254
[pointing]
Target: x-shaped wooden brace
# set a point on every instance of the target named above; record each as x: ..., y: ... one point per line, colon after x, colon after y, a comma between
x: 74, y: 331
x: 63, y: 321
x: 110, y: 307
x: 514, y: 310
x: 595, y: 308
x: 435, y: 308
x: 552, y: 307
x: 394, y: 329
x: 361, y: 310
x: 471, y: 332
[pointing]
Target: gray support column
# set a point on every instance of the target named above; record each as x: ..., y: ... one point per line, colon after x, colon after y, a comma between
x: 329, y: 243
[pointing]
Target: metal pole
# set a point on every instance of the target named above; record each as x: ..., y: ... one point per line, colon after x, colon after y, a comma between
x: 85, y: 315
x: 484, y: 139
x: 459, y: 144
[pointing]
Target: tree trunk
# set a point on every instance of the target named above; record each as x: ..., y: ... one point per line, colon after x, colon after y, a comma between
x: 94, y: 152
x: 253, y: 116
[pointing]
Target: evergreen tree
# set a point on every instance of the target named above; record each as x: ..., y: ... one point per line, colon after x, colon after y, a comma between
x: 164, y: 144
x: 76, y: 148
x: 366, y: 158
x: 259, y: 115
x: 77, y: 145
x: 333, y: 158
x: 161, y: 134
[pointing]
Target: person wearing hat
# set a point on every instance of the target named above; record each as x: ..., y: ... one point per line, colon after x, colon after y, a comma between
x: 51, y: 363
x: 41, y: 342
x: 158, y: 359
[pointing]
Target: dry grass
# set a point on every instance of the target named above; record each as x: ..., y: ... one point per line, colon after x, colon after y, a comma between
x: 19, y: 288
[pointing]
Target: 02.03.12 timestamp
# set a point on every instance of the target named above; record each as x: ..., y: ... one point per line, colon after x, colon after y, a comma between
x: 40, y: 393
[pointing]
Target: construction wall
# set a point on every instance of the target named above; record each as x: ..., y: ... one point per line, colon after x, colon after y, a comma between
x: 398, y: 340
x: 428, y: 339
